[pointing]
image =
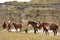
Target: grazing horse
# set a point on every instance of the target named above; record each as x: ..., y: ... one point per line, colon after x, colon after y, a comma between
x: 34, y: 25
x: 4, y: 26
x: 17, y: 26
x: 52, y: 26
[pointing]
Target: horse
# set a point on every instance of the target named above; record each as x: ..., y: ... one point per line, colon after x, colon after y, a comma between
x: 52, y: 26
x: 4, y: 26
x: 16, y: 25
x: 34, y: 25
x: 9, y: 25
x: 45, y: 26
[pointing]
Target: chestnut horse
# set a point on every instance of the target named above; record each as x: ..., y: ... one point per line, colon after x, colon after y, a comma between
x: 52, y: 26
x: 17, y: 26
x: 4, y: 26
x: 34, y: 25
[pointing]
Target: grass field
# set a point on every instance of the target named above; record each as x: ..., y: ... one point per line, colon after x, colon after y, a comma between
x: 26, y: 36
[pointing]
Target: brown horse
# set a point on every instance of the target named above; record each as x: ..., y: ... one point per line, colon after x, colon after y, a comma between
x: 9, y: 25
x: 17, y: 26
x: 34, y: 25
x: 52, y: 26
x: 4, y: 25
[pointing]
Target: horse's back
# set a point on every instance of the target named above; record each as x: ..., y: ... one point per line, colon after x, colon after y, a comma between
x: 17, y: 25
x: 53, y: 26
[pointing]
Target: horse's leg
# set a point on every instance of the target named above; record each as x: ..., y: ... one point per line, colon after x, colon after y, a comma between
x: 55, y: 32
x: 16, y: 29
x: 43, y: 30
x: 46, y: 32
x: 35, y: 30
x: 3, y: 30
x: 8, y: 28
x: 26, y: 30
x: 20, y: 29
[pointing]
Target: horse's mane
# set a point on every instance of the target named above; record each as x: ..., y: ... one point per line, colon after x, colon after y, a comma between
x: 32, y: 22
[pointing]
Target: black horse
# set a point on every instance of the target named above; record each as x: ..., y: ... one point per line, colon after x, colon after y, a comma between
x: 34, y: 25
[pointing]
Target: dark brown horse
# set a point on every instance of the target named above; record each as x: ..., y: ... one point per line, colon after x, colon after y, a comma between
x: 4, y: 25
x: 52, y: 26
x: 17, y: 26
x: 34, y: 25
x: 9, y: 25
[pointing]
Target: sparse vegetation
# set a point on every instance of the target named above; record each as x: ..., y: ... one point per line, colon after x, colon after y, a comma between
x: 24, y: 36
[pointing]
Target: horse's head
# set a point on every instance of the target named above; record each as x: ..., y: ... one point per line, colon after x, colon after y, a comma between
x: 40, y: 25
x: 28, y: 23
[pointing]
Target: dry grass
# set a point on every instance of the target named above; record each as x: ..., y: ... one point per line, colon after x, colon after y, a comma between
x: 45, y: 1
x: 24, y: 36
